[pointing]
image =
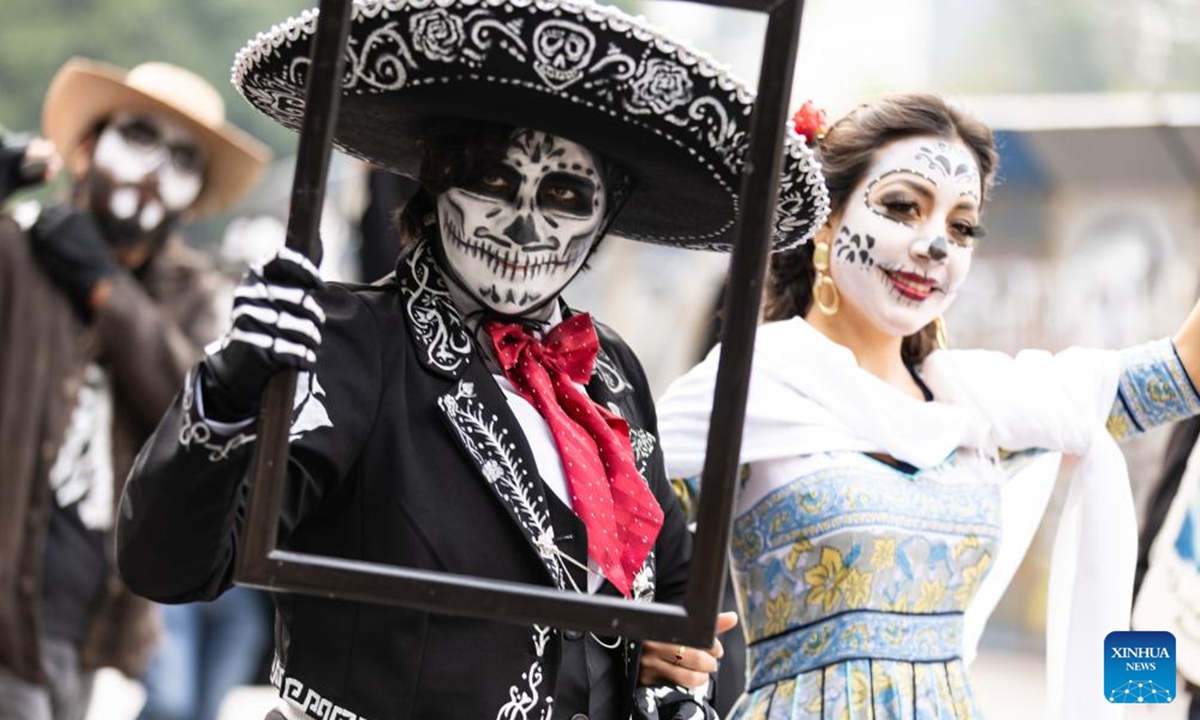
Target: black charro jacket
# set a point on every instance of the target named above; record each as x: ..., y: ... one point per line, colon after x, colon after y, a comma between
x: 404, y: 451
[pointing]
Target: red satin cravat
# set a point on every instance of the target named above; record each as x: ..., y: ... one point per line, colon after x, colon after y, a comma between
x: 622, y: 516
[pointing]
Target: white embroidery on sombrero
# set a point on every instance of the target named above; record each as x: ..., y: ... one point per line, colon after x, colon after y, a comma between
x: 562, y: 50
x: 679, y: 95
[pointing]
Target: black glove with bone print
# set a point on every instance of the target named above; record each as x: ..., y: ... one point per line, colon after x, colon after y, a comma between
x: 276, y: 325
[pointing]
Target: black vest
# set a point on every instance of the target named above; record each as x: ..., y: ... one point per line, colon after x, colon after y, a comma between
x: 590, y: 676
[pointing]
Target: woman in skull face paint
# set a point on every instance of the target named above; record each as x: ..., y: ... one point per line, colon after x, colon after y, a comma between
x: 882, y: 472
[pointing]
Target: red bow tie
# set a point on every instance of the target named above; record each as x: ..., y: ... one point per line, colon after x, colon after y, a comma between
x: 608, y: 494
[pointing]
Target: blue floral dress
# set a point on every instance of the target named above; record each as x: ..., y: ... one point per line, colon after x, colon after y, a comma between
x: 853, y: 574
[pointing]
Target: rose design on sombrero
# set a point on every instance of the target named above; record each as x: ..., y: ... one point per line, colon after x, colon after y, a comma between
x: 437, y: 34
x: 662, y: 87
x: 676, y: 121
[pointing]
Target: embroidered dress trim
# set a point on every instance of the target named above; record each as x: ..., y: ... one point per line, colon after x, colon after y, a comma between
x: 1154, y: 390
x: 823, y: 502
x: 875, y: 635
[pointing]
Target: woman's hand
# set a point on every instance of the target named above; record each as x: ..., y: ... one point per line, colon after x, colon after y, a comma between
x: 675, y: 664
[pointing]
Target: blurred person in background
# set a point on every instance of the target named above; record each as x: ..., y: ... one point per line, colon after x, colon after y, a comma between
x: 102, y: 310
x: 380, y: 238
x: 208, y: 649
x: 882, y: 471
x: 26, y: 164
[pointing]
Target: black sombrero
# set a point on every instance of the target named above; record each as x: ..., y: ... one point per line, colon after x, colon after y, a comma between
x: 572, y: 68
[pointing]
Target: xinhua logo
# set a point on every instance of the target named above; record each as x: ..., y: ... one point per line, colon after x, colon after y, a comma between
x: 1139, y: 667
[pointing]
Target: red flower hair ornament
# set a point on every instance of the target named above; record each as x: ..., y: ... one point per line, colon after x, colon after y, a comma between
x: 809, y: 122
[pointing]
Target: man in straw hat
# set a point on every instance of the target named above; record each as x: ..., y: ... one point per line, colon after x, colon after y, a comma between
x: 458, y: 415
x: 102, y: 311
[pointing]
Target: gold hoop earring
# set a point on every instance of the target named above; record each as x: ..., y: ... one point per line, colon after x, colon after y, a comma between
x: 824, y: 292
x: 941, y: 341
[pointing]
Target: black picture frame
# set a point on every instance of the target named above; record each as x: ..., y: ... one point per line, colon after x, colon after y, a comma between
x: 262, y: 564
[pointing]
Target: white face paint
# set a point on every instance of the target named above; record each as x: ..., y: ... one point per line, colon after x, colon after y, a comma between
x: 516, y: 236
x: 907, y: 233
x: 155, y: 163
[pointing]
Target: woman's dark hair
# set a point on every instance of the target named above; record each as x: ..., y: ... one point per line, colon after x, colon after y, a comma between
x: 458, y: 152
x: 846, y: 152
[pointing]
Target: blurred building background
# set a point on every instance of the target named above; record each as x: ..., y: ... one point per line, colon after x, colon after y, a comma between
x: 1093, y: 230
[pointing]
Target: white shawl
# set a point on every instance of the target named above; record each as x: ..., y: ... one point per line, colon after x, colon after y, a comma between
x: 807, y: 394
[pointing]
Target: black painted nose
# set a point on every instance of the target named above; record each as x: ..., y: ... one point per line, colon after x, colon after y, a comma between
x: 521, y: 230
x: 938, y: 250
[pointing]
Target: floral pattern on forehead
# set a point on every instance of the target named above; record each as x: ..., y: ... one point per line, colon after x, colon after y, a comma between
x: 952, y: 162
x: 936, y: 160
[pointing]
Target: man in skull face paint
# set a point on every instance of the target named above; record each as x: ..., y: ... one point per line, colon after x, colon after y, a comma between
x: 146, y: 171
x: 457, y: 416
x: 514, y: 236
x: 102, y: 312
x: 506, y: 219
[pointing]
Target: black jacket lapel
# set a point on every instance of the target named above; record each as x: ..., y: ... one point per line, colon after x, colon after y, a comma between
x: 490, y: 436
x: 443, y: 343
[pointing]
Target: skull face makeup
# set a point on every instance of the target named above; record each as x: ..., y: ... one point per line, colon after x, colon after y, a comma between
x: 908, y: 231
x: 147, y: 169
x: 516, y: 235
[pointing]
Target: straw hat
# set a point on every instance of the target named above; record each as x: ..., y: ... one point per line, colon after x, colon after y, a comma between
x: 85, y: 92
x: 586, y: 72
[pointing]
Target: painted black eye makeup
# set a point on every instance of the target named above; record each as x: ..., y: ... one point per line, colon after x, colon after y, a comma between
x: 966, y: 234
x: 901, y: 200
x: 187, y: 158
x: 139, y: 133
x: 499, y: 183
x: 567, y: 193
x: 900, y: 204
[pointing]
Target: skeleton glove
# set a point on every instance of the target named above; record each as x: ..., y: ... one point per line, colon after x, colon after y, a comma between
x: 276, y: 325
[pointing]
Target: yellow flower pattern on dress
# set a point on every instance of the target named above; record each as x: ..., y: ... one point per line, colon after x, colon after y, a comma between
x: 1118, y: 426
x: 932, y: 592
x: 1159, y: 391
x: 972, y: 576
x: 884, y: 556
x: 856, y: 587
x: 779, y: 610
x: 826, y: 579
x: 860, y: 691
x: 967, y: 543
x: 800, y: 547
